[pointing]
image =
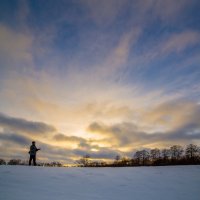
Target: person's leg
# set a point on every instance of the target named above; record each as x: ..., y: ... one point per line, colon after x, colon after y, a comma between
x: 34, y: 160
x: 30, y: 159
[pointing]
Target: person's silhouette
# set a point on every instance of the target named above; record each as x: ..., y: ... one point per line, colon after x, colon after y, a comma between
x: 32, y: 152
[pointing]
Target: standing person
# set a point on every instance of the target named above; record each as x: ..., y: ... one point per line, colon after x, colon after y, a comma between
x: 32, y: 152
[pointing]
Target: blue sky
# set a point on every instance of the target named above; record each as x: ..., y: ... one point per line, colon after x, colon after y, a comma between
x: 88, y: 68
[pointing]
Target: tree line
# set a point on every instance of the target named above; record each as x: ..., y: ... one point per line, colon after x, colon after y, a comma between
x: 175, y: 155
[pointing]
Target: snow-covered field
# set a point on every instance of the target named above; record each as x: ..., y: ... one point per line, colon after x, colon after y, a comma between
x: 138, y: 183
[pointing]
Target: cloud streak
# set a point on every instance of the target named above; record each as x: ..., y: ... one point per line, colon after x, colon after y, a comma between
x: 25, y: 126
x: 15, y: 48
x: 179, y: 125
x: 14, y: 138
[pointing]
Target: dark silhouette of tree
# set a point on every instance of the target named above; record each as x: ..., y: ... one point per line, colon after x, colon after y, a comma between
x: 141, y: 157
x: 14, y: 162
x: 125, y: 161
x: 145, y: 156
x: 155, y: 154
x: 166, y: 154
x: 2, y: 162
x: 138, y: 158
x: 192, y: 152
x: 176, y: 152
x: 117, y: 160
x: 84, y: 161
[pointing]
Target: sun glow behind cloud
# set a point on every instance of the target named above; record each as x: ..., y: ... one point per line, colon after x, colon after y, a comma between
x: 98, y: 77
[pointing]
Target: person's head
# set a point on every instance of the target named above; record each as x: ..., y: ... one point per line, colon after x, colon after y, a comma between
x: 33, y: 143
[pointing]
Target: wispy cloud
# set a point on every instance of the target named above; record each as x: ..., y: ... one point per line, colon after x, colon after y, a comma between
x: 171, y: 122
x: 14, y: 138
x: 178, y: 42
x: 25, y: 126
x: 15, y: 48
x: 117, y: 59
x: 167, y: 11
x: 104, y: 12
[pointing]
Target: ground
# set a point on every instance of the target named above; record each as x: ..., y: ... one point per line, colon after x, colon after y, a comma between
x: 135, y: 183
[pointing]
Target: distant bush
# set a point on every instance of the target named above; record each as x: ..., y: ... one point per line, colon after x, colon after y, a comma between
x: 2, y: 162
x: 50, y: 164
x: 14, y: 162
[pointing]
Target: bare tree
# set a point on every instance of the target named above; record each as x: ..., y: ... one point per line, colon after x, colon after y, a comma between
x: 141, y: 157
x: 145, y: 156
x: 117, y: 160
x: 84, y: 160
x: 176, y: 152
x: 166, y: 154
x: 138, y: 157
x: 192, y: 151
x: 155, y: 154
x: 125, y: 161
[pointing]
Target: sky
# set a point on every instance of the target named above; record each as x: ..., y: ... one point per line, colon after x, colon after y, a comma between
x: 103, y: 78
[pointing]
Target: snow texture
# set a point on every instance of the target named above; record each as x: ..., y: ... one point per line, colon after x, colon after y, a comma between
x: 134, y: 183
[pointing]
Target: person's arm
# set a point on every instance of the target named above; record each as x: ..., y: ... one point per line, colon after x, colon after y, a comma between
x: 37, y: 149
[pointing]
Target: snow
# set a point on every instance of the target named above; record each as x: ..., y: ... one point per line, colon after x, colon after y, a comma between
x: 137, y: 183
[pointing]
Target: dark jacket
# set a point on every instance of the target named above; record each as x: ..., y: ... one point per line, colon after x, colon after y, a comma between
x: 33, y: 150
